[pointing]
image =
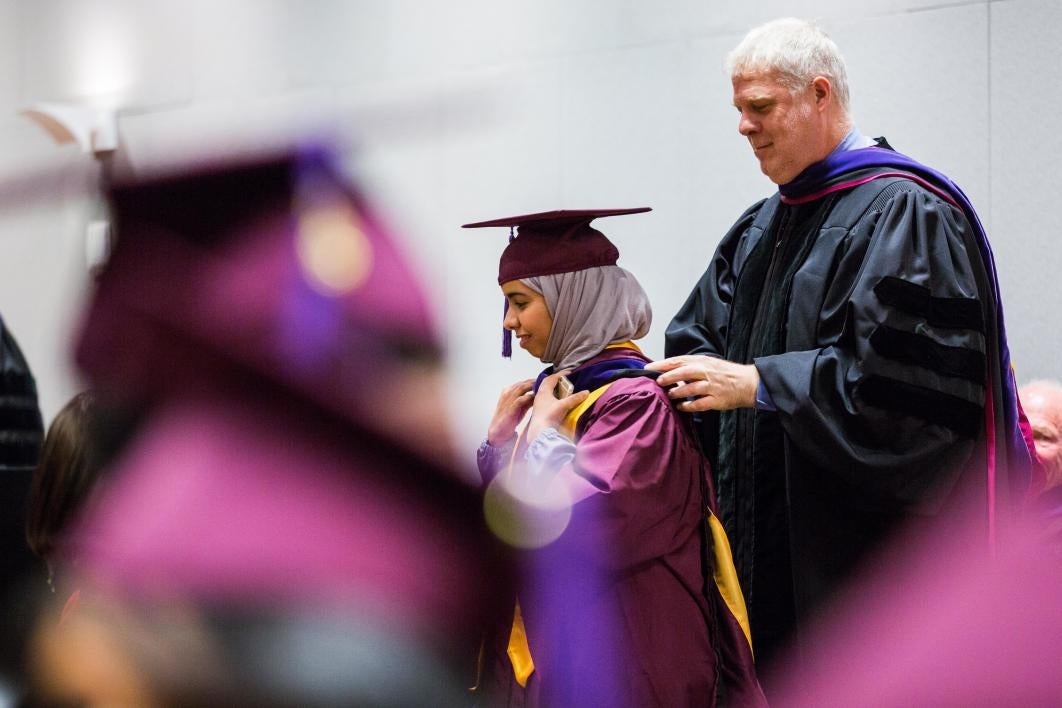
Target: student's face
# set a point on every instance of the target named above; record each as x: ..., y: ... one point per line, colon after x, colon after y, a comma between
x: 784, y: 130
x: 528, y: 317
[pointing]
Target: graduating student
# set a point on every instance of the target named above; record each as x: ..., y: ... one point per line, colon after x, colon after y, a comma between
x: 606, y: 493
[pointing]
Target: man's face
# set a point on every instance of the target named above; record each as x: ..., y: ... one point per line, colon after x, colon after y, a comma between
x: 1043, y: 407
x: 786, y: 131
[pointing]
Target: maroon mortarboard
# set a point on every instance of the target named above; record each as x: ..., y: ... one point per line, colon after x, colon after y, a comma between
x: 552, y: 242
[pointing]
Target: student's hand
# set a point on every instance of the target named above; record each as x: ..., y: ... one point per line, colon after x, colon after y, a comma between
x: 712, y: 384
x: 549, y: 410
x: 513, y: 404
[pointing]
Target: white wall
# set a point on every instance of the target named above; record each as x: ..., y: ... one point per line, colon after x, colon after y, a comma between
x: 479, y: 109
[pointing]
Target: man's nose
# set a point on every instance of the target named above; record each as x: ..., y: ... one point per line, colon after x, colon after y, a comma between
x: 747, y: 126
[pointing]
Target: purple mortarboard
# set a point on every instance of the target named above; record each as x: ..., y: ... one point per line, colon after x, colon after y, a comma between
x: 551, y: 242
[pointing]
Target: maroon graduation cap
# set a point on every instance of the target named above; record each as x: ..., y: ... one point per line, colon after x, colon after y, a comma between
x: 551, y: 242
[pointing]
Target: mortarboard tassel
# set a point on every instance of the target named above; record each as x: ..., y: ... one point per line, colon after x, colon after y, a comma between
x: 507, y: 336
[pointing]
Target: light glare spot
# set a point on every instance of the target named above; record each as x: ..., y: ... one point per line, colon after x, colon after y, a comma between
x: 335, y: 253
x: 526, y: 515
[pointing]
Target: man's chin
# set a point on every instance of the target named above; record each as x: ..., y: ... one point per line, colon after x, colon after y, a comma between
x: 775, y: 176
x: 766, y: 170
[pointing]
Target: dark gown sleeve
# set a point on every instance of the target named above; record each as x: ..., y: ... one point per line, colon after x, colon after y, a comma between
x: 636, y: 479
x: 700, y: 327
x: 893, y: 397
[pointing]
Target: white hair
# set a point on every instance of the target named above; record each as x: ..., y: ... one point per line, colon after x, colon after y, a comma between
x: 798, y: 50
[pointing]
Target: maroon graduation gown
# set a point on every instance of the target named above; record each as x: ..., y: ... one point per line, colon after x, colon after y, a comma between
x: 614, y: 610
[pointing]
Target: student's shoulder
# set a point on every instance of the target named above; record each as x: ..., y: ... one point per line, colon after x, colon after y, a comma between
x: 634, y: 391
x: 631, y: 405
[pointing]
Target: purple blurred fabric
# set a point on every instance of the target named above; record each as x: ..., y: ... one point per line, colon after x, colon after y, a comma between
x: 231, y: 501
x: 943, y: 626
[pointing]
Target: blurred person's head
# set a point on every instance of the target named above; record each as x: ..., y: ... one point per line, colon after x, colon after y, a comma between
x: 65, y: 475
x: 791, y: 91
x: 286, y: 480
x: 1042, y: 402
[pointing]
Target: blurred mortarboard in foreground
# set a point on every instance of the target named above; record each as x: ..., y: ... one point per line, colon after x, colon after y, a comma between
x: 552, y: 242
x: 265, y: 330
x: 278, y: 266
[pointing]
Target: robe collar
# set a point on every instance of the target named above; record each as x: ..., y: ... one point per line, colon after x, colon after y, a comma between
x: 602, y: 368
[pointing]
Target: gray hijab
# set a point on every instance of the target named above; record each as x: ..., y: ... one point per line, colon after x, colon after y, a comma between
x: 591, y: 309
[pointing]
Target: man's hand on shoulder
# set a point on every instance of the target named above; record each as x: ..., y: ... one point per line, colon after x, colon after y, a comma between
x: 709, y: 383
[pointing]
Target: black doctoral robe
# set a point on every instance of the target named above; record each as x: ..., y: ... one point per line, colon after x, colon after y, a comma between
x: 864, y: 313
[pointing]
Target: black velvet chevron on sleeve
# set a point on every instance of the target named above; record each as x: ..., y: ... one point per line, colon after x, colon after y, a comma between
x: 956, y: 414
x: 951, y: 312
x: 924, y: 351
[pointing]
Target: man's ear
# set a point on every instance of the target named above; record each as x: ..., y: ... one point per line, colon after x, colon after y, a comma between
x: 823, y: 91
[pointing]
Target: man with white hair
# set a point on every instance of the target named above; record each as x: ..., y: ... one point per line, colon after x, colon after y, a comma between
x: 1042, y: 400
x: 844, y: 351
